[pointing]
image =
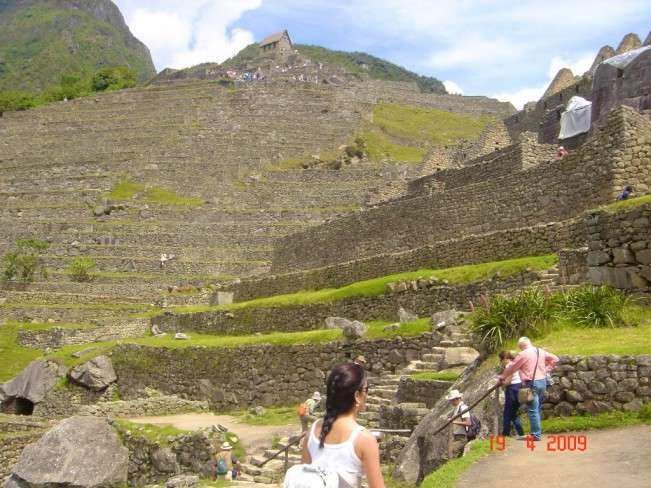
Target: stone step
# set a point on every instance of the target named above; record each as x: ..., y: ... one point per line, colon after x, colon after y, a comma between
x: 386, y: 393
x: 433, y: 357
x: 374, y: 400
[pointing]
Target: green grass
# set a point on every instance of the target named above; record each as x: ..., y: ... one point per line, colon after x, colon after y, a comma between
x: 626, y: 204
x: 444, y: 375
x: 13, y: 357
x: 379, y: 146
x: 160, y: 434
x: 272, y: 416
x: 378, y: 286
x: 126, y: 189
x: 606, y: 420
x: 448, y: 474
x: 425, y: 125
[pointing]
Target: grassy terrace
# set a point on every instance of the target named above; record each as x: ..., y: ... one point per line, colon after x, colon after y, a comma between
x: 378, y: 286
x: 14, y: 357
x: 127, y: 189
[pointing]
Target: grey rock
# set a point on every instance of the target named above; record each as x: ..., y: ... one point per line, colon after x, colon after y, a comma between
x: 83, y: 352
x: 446, y: 318
x: 257, y: 411
x: 643, y: 256
x: 623, y: 256
x: 573, y: 396
x: 458, y: 356
x: 593, y: 406
x: 34, y: 382
x: 337, y: 322
x: 391, y: 327
x: 180, y: 336
x: 79, y: 452
x: 355, y: 330
x: 597, y: 258
x: 183, y: 481
x: 405, y: 316
x: 563, y: 409
x: 100, y: 210
x: 96, y: 374
x: 164, y: 460
x: 633, y: 406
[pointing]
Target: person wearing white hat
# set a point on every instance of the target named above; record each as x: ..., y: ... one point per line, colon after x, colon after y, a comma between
x: 459, y: 426
x: 307, y: 410
x: 226, y: 462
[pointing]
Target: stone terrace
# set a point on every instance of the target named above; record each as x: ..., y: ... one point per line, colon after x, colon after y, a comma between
x: 198, y: 140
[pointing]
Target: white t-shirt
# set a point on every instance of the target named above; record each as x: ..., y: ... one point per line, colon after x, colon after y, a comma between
x: 460, y: 429
x: 515, y: 379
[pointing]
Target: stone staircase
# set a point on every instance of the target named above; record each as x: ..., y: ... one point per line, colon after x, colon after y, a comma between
x: 274, y: 471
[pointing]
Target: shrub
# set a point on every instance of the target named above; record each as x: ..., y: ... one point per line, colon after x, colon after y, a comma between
x: 80, y: 268
x: 22, y: 263
x: 16, y: 100
x: 504, y: 317
x: 594, y: 306
x: 115, y: 78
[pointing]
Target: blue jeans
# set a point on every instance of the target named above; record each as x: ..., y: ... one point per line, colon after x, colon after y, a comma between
x: 511, y: 407
x: 533, y: 407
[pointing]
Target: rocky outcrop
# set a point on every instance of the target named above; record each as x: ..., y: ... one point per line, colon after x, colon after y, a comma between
x: 647, y: 41
x: 562, y: 80
x: 629, y: 42
x: 80, y: 452
x: 97, y: 374
x: 33, y: 383
x: 604, y: 53
x: 425, y: 451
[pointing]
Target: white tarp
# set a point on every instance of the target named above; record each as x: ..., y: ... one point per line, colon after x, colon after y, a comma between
x: 621, y: 61
x: 576, y: 118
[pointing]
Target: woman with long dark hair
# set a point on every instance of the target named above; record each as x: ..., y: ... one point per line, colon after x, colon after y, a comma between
x: 337, y: 442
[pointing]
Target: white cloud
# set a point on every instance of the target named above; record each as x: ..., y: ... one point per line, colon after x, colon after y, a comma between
x: 452, y: 87
x: 194, y: 32
x: 519, y: 97
x: 578, y: 66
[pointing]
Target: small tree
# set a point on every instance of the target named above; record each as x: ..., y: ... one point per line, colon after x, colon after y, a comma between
x: 22, y: 263
x: 79, y: 269
x: 115, y: 78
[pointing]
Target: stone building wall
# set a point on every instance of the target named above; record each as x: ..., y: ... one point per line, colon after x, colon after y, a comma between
x: 492, y: 246
x: 620, y: 248
x: 264, y: 375
x: 615, y: 155
x: 595, y: 384
x: 428, y: 392
x: 421, y: 297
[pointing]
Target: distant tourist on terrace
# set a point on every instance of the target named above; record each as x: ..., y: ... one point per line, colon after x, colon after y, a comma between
x: 626, y: 193
x: 337, y: 444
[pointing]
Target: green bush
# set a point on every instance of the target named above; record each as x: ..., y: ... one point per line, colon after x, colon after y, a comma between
x: 504, y: 317
x: 594, y: 306
x: 79, y: 269
x: 645, y: 412
x: 115, y: 78
x: 16, y: 100
x: 24, y: 261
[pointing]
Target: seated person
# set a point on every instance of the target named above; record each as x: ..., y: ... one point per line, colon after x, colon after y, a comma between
x: 626, y: 193
x: 226, y: 463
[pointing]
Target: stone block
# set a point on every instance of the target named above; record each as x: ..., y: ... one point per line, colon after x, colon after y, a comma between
x: 573, y: 396
x: 597, y: 387
x: 622, y: 255
x: 563, y: 409
x: 598, y: 258
x: 643, y: 256
x: 624, y: 396
x: 633, y: 406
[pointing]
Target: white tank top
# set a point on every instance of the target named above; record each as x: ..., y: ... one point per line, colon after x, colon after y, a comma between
x: 340, y: 458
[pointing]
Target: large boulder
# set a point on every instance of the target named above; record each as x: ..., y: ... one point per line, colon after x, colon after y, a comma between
x: 79, y: 452
x: 458, y: 356
x: 355, y: 330
x: 33, y: 383
x: 96, y: 374
x: 406, y: 316
x: 426, y: 451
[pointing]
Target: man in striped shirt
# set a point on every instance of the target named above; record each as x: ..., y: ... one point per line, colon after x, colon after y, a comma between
x: 529, y: 359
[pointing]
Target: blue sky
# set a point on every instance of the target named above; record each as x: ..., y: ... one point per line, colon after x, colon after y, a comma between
x: 507, y: 49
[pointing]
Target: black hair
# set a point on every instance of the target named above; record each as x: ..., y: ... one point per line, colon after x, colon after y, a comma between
x: 628, y: 188
x: 343, y: 382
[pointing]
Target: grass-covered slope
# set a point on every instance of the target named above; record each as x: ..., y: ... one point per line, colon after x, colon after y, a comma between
x: 41, y: 41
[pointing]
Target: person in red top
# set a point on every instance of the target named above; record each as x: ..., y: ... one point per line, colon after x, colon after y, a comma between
x: 533, y: 364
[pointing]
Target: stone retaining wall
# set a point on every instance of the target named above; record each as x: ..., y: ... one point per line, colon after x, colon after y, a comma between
x: 428, y: 392
x: 151, y: 462
x: 482, y: 248
x: 58, y: 337
x: 595, y: 384
x: 264, y: 375
x: 620, y: 248
x: 144, y: 407
x: 421, y: 297
x: 615, y: 155
x: 11, y: 446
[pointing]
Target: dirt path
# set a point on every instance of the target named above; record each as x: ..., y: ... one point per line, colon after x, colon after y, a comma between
x: 618, y: 458
x: 252, y: 437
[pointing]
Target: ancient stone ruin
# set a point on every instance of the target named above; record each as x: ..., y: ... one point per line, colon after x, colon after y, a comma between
x: 225, y: 246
